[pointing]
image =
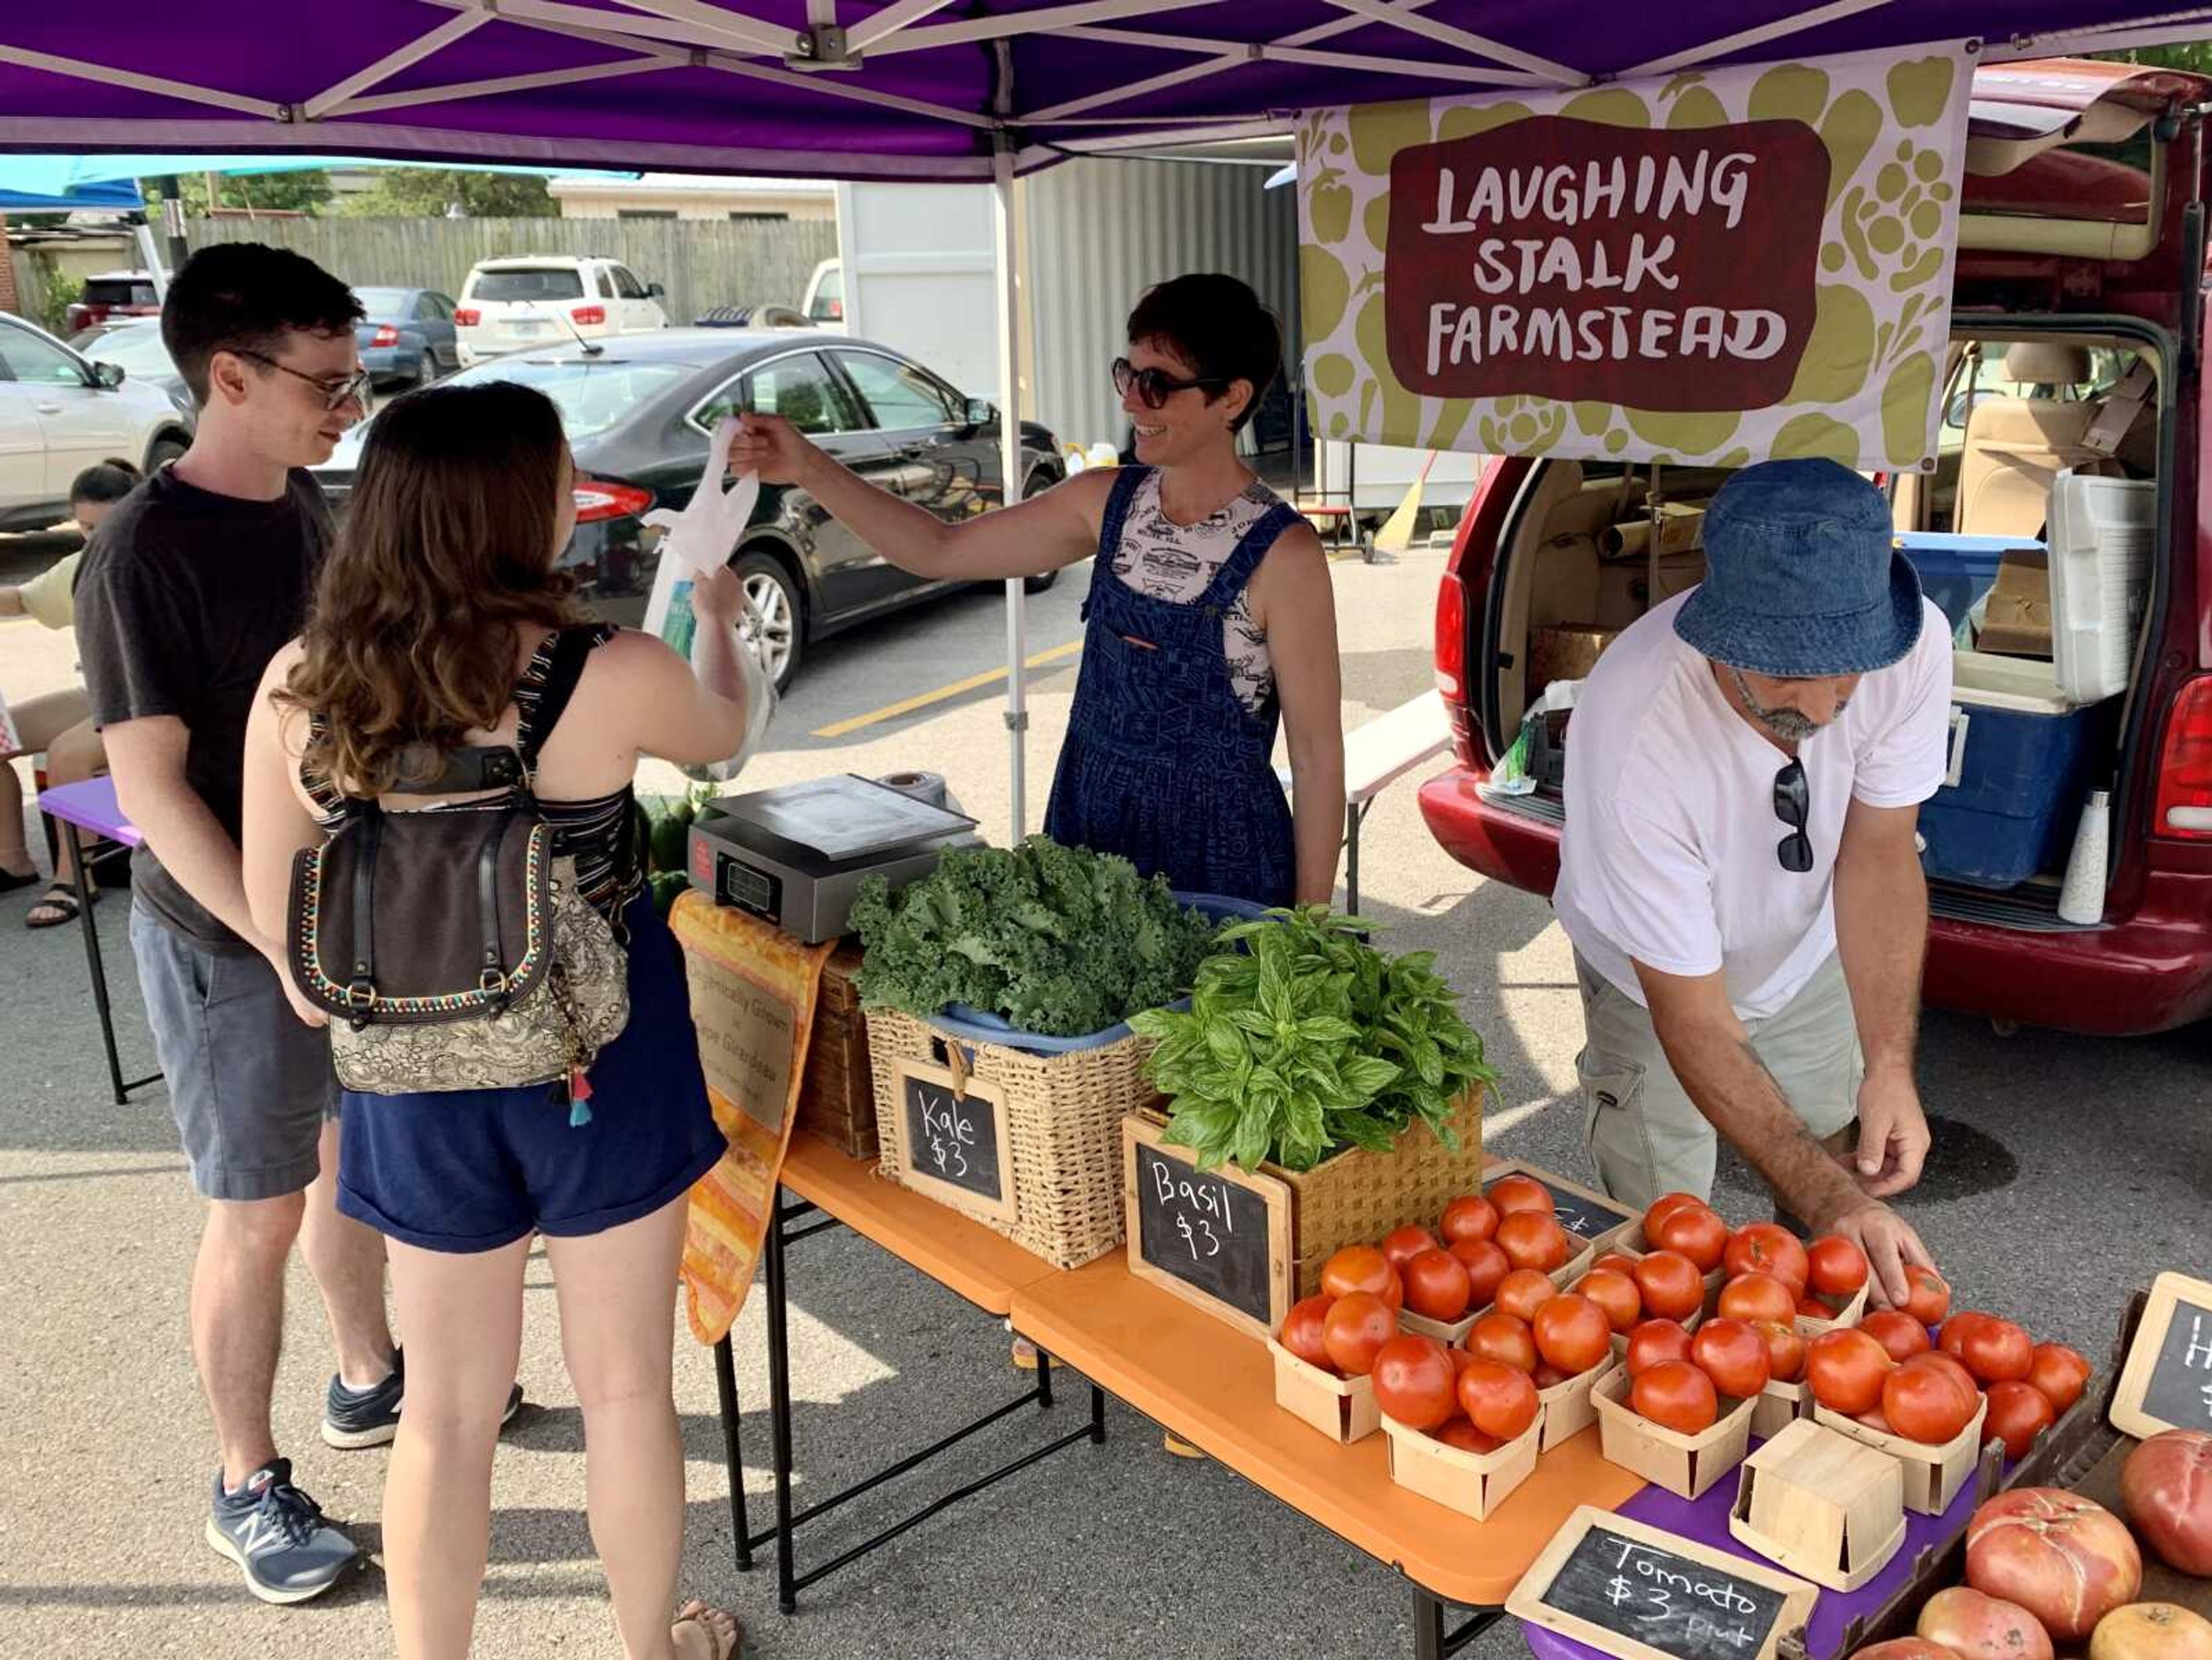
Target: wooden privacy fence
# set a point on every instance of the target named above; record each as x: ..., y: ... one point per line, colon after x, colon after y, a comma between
x: 703, y: 263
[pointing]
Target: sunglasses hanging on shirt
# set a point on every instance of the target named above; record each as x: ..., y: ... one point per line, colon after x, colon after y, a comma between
x: 1793, y: 806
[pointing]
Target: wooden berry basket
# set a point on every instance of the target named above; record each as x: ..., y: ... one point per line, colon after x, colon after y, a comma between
x: 1821, y: 1505
x: 1568, y: 1407
x: 1342, y: 1408
x: 1685, y: 1464
x: 1934, y: 1476
x: 1472, y: 1483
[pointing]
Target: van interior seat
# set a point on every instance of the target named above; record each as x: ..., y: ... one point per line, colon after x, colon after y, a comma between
x: 2015, y: 447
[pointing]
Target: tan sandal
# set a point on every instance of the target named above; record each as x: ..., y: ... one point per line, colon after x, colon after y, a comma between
x: 696, y: 1613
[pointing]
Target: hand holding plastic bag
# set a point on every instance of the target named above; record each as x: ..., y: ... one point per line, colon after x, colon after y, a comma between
x: 705, y: 533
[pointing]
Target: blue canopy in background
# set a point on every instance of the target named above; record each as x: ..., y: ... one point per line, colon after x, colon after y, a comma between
x: 67, y: 183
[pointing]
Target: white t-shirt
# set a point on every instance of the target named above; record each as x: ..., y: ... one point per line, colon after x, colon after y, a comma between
x: 1669, y: 853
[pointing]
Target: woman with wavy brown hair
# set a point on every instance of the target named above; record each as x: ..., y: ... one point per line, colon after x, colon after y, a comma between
x: 441, y: 621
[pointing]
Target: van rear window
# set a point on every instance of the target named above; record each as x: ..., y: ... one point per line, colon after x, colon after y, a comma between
x: 547, y: 283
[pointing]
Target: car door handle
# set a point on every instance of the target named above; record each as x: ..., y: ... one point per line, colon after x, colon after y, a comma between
x: 49, y: 409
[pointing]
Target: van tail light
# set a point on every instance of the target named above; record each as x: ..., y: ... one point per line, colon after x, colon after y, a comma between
x: 466, y: 318
x: 590, y: 315
x: 597, y: 500
x: 2185, y: 769
x: 386, y: 335
x: 1451, y: 637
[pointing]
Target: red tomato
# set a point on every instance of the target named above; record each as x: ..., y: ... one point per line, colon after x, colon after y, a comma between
x: 1498, y: 1400
x: 1511, y: 1194
x: 1534, y: 1239
x: 2018, y: 1414
x: 1362, y: 1268
x: 1838, y: 1268
x: 1572, y: 1333
x: 1437, y: 1285
x: 1753, y: 1296
x: 1979, y: 1627
x: 1618, y: 1261
x: 1415, y: 1381
x: 1733, y: 1355
x: 1676, y: 1395
x: 1546, y: 1376
x: 1463, y: 1435
x: 1929, y: 1299
x: 1698, y: 1233
x: 2166, y: 1487
x: 1664, y: 1207
x: 1404, y: 1244
x: 1846, y: 1370
x: 1768, y: 1247
x: 1616, y: 1294
x: 1905, y: 1648
x: 1301, y: 1332
x: 1922, y: 1403
x: 1898, y: 1332
x: 1485, y: 1267
x: 1810, y: 1307
x: 1951, y: 1338
x: 1502, y: 1337
x: 1670, y: 1284
x: 2060, y: 1373
x: 1354, y: 1327
x: 1997, y: 1351
x: 1785, y: 1351
x: 1522, y: 1291
x: 1939, y: 1361
x: 1655, y: 1340
x: 1470, y: 1216
x: 2066, y: 1560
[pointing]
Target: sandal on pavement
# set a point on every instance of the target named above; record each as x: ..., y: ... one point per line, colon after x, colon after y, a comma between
x: 60, y: 900
x: 696, y: 1613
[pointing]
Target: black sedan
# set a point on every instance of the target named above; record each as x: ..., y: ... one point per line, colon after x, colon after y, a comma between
x: 639, y: 410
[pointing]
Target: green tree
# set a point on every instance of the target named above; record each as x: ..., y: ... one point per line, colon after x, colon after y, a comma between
x: 2195, y: 56
x: 432, y: 192
x: 308, y: 192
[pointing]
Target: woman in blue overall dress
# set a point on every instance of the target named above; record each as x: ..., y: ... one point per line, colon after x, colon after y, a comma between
x: 1211, y: 620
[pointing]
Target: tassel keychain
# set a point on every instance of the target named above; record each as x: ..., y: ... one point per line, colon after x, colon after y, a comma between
x: 579, y: 1092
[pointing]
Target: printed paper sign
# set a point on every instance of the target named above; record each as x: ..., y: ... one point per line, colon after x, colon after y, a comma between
x: 1719, y: 267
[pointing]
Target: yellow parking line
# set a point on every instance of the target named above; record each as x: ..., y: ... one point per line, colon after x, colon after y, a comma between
x: 923, y: 700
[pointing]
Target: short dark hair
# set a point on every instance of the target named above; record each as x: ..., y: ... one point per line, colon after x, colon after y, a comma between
x: 107, y: 481
x: 1217, y: 325
x: 244, y: 297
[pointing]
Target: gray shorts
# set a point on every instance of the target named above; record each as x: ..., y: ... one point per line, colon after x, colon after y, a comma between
x: 1644, y: 1134
x: 249, y: 1082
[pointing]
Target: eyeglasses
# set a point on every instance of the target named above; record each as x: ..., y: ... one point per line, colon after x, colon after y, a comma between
x: 1793, y: 805
x: 352, y: 389
x: 1153, y: 387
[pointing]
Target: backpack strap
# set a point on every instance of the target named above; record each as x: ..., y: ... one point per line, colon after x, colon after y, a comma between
x: 541, y: 696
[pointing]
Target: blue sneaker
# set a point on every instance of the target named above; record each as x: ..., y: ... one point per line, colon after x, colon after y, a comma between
x: 353, y: 1418
x: 277, y: 1536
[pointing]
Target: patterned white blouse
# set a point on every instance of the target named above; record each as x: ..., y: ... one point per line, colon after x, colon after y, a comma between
x: 1172, y: 562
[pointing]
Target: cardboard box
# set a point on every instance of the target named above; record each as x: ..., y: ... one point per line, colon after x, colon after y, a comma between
x: 2016, y: 622
x: 1342, y: 1408
x: 1569, y: 651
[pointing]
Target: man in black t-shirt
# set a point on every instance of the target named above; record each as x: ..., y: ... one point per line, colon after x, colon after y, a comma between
x: 195, y: 581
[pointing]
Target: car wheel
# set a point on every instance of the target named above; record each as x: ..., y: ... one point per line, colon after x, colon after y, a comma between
x: 775, y: 595
x: 164, y: 450
x: 1039, y: 584
x: 426, y: 370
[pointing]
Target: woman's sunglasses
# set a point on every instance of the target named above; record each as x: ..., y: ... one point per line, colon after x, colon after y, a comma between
x: 1793, y: 806
x: 1153, y: 387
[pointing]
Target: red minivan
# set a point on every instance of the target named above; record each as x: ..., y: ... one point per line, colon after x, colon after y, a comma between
x: 2079, y: 309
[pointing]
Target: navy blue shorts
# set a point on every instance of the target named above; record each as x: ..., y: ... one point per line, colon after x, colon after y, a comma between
x: 474, y: 1170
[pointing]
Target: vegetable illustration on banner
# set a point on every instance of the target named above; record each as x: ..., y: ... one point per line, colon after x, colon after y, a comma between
x: 1719, y: 267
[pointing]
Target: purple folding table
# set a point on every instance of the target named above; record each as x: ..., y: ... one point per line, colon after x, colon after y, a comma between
x: 91, y: 805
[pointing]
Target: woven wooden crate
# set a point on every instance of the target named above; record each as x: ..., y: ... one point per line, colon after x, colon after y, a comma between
x: 837, y: 1097
x: 1063, y: 1120
x: 1358, y: 1197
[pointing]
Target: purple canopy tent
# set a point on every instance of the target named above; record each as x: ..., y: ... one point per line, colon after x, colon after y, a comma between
x: 938, y: 90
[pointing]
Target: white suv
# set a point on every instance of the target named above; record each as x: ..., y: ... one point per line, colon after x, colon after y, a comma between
x: 538, y: 300
x: 61, y: 413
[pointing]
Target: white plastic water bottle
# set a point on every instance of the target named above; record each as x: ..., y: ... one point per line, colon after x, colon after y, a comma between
x: 2081, y: 898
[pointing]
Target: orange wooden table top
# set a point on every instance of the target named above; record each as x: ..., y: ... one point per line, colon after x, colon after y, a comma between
x: 1214, y: 1386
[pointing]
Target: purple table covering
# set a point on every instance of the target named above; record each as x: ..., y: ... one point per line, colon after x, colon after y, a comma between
x: 1705, y: 1521
x: 91, y: 805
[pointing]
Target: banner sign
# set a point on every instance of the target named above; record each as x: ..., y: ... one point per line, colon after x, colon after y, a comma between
x: 1721, y: 267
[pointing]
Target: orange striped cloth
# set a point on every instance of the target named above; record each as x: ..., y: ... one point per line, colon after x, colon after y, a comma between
x: 753, y: 989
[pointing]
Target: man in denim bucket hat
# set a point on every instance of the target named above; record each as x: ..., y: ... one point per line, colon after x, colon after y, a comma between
x: 1739, y: 875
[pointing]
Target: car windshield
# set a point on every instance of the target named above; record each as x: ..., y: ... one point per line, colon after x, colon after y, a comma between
x: 535, y: 282
x: 117, y: 291
x: 386, y: 302
x: 591, y: 394
x: 138, y: 350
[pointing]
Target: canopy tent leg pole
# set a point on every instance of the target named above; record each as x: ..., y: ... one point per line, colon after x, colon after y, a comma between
x: 1010, y: 457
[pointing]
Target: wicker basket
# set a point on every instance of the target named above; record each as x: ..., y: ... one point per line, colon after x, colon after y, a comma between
x: 1356, y: 1197
x: 1063, y: 1122
x: 837, y: 1099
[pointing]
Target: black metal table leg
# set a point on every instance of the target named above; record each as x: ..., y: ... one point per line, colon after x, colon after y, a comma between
x: 1432, y: 1641
x: 91, y: 930
x: 1097, y: 1416
x: 725, y: 1389
x: 779, y: 1389
x: 1351, y: 817
x: 1044, y: 1380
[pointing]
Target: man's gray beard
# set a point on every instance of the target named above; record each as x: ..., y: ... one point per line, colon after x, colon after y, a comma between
x: 1787, y: 724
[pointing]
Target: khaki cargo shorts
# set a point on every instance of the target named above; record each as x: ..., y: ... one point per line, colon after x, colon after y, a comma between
x: 1645, y: 1136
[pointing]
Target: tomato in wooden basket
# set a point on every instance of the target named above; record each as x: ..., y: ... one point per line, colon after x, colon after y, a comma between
x: 1664, y: 1207
x: 1898, y: 1332
x: 1655, y: 1341
x: 1486, y: 1268
x: 1615, y: 1294
x: 1768, y: 1247
x: 2060, y: 1373
x: 1572, y: 1333
x: 1671, y: 1285
x: 1302, y: 1330
x: 1531, y: 1239
x: 1754, y: 1297
x: 1810, y: 1307
x: 1838, y: 1267
x: 2018, y: 1414
x: 1949, y: 1367
x: 1470, y: 1216
x: 1502, y: 1337
x: 1403, y: 1245
x: 1518, y: 1193
x: 1546, y: 1376
x: 1498, y: 1400
x: 1997, y: 1351
x: 1930, y: 1298
x: 1437, y: 1285
x: 1846, y: 1370
x: 1951, y: 1336
x: 1355, y: 1327
x: 1618, y: 1261
x: 1785, y: 1350
x: 1522, y: 1291
x: 1733, y: 1355
x: 1362, y: 1268
x: 1415, y: 1381
x: 1463, y: 1435
x: 1698, y: 1233
x: 1925, y: 1404
x: 1677, y: 1395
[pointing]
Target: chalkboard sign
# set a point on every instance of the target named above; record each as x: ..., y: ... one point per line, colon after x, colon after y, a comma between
x: 1585, y: 1215
x: 1219, y: 1239
x: 952, y: 1140
x: 2167, y: 1381
x: 1636, y: 1591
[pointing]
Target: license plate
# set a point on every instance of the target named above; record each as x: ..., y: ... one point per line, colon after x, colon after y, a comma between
x: 530, y: 326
